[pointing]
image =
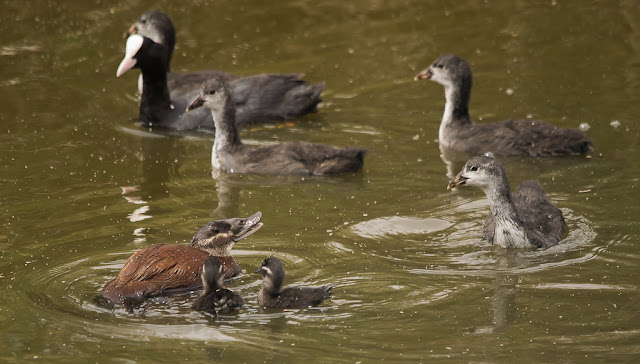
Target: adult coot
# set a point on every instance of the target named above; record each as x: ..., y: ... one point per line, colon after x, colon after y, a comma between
x: 258, y: 98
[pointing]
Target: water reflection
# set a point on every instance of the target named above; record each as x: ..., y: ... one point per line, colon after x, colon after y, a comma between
x: 378, y: 228
x: 160, y: 158
x: 505, y: 285
x: 228, y: 194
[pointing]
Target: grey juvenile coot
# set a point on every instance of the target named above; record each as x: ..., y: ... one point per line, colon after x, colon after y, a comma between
x: 526, y: 218
x: 215, y: 298
x: 511, y: 137
x: 164, y: 268
x: 230, y: 155
x: 258, y: 98
x: 273, y: 295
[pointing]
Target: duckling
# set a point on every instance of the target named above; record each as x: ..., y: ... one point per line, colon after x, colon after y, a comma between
x: 230, y: 155
x: 274, y: 296
x: 511, y: 137
x: 258, y: 98
x: 524, y: 219
x: 214, y: 296
x: 164, y: 268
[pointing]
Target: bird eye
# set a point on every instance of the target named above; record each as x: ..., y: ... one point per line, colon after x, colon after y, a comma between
x: 474, y: 168
x: 216, y: 230
x: 212, y: 92
x: 440, y: 66
x: 143, y: 21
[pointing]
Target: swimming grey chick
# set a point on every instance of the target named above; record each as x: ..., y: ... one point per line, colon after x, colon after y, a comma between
x: 525, y: 218
x: 511, y: 137
x: 299, y: 158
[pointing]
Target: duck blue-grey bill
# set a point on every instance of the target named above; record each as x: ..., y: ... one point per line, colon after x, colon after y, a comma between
x: 250, y: 226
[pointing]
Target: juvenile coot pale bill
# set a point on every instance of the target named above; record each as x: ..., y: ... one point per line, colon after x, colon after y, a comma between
x: 230, y: 155
x: 511, y: 137
x: 526, y: 218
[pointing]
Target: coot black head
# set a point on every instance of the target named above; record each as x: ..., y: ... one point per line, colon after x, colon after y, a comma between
x: 219, y: 235
x: 156, y: 26
x: 143, y: 53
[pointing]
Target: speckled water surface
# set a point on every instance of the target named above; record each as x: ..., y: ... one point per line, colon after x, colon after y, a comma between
x: 83, y: 186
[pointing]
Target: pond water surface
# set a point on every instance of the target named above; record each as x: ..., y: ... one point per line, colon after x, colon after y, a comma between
x: 83, y: 186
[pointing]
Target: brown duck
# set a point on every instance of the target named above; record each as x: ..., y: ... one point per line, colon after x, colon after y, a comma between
x: 166, y: 268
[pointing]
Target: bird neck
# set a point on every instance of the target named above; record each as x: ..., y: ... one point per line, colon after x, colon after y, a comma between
x: 218, y: 251
x: 272, y: 286
x: 509, y: 228
x: 211, y: 286
x: 155, y: 100
x: 227, y: 138
x: 456, y: 108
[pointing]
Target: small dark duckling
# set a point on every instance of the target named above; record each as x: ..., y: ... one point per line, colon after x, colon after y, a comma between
x: 230, y: 155
x: 511, y: 137
x: 524, y: 219
x: 215, y: 298
x: 167, y: 268
x: 258, y: 98
x: 274, y: 296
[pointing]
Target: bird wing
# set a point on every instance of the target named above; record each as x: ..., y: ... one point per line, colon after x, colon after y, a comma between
x: 527, y: 137
x: 538, y: 213
x: 157, y: 268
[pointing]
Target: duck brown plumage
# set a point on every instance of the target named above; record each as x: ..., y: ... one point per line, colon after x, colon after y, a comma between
x: 166, y: 268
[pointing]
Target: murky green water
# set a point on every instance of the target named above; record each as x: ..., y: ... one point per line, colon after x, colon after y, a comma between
x: 83, y: 187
